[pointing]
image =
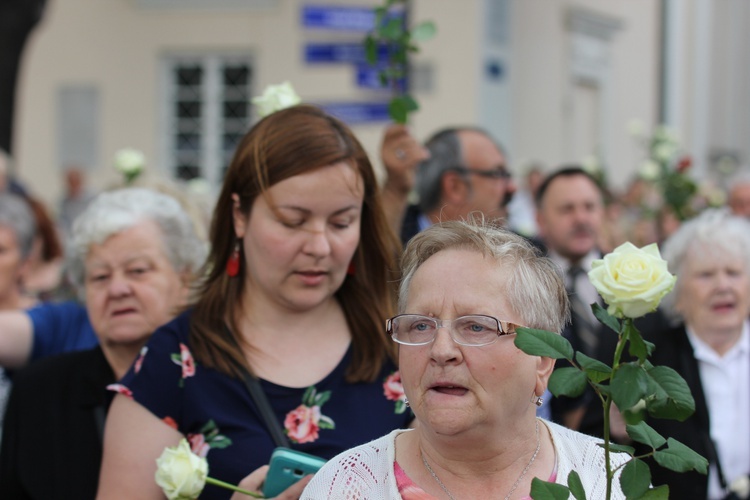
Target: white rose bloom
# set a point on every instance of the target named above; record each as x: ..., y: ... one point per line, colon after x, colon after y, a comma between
x: 276, y: 98
x: 129, y: 161
x: 664, y: 151
x: 636, y: 128
x: 180, y: 473
x: 649, y: 170
x: 632, y: 280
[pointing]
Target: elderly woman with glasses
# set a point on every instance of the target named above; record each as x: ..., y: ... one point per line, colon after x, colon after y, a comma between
x: 465, y: 288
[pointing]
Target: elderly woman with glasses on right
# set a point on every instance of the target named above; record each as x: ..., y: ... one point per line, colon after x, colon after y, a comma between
x: 464, y: 289
x: 702, y: 332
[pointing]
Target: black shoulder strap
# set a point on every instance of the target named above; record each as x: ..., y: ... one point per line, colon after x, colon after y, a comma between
x: 261, y: 402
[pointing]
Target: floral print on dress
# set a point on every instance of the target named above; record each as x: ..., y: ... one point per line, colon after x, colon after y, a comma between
x: 303, y: 423
x: 208, y: 437
x: 139, y: 361
x: 120, y: 389
x: 393, y: 390
x: 185, y: 360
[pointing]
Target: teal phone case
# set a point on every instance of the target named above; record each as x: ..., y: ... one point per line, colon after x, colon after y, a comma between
x: 288, y: 466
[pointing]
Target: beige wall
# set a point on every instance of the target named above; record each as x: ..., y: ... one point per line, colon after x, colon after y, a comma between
x: 116, y: 46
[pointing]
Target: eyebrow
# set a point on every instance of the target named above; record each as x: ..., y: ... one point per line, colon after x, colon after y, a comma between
x: 307, y: 211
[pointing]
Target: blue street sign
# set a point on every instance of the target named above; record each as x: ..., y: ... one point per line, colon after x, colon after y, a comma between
x: 367, y: 77
x: 337, y: 53
x: 360, y: 19
x: 358, y: 112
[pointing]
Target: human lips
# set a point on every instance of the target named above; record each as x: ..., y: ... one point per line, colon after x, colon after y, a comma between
x: 311, y: 276
x: 448, y: 388
x: 122, y: 311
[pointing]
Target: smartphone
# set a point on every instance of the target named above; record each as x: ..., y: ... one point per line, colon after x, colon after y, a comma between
x: 288, y: 466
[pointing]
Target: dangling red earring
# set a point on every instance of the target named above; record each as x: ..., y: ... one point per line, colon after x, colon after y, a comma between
x: 233, y: 264
x: 351, y: 270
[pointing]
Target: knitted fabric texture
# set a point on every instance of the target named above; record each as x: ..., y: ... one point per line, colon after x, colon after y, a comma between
x: 367, y: 470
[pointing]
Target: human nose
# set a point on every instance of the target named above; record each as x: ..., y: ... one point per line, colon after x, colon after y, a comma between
x: 119, y: 286
x: 317, y: 244
x: 444, y: 348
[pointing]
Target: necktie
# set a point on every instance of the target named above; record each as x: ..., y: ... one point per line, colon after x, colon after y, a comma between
x: 584, y: 324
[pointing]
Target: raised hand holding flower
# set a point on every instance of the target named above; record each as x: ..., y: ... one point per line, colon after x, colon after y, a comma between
x: 633, y: 281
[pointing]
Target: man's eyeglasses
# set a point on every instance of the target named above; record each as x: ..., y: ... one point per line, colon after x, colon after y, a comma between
x: 499, y: 173
x: 474, y: 330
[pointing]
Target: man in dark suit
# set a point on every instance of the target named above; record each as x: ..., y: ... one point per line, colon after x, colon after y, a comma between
x: 570, y: 213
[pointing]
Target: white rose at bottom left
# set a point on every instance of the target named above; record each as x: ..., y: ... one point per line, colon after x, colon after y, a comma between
x: 180, y: 473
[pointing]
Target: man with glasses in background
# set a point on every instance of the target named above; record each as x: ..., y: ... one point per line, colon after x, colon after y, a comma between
x: 460, y: 171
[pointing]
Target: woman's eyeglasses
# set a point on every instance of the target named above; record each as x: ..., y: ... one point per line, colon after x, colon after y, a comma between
x: 473, y: 330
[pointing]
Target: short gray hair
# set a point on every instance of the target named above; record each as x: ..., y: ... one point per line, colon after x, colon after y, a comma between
x: 713, y: 230
x: 116, y: 211
x: 535, y: 287
x: 16, y: 214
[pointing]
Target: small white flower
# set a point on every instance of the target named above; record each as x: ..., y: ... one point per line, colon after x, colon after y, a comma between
x: 649, y: 170
x: 591, y: 165
x: 276, y: 98
x: 130, y: 161
x: 741, y: 486
x: 636, y: 128
x: 664, y: 151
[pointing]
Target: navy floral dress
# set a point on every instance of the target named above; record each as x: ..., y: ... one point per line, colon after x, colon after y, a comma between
x: 217, y: 415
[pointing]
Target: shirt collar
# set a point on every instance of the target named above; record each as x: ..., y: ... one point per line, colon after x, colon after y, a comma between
x: 704, y: 352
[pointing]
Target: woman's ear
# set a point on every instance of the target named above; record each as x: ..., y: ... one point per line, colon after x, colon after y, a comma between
x: 545, y: 367
x: 239, y: 218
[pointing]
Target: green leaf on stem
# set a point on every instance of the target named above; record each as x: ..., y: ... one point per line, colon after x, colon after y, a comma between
x: 671, y: 395
x: 393, y: 29
x: 644, y: 433
x: 543, y: 343
x: 635, y: 478
x: 576, y: 486
x: 638, y: 348
x: 400, y: 107
x: 629, y: 385
x: 679, y: 458
x: 658, y: 493
x: 607, y: 319
x: 542, y: 490
x: 423, y: 31
x: 596, y: 371
x: 620, y: 448
x: 371, y: 49
x: 568, y: 381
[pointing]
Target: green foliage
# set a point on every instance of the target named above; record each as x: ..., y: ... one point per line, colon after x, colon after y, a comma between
x: 400, y: 41
x: 636, y: 387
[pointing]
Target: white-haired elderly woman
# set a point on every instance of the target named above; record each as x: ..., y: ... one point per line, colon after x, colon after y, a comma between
x: 17, y: 230
x: 465, y: 288
x: 134, y: 255
x: 707, y: 341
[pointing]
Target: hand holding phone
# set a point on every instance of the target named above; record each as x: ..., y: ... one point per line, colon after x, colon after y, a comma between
x: 288, y: 466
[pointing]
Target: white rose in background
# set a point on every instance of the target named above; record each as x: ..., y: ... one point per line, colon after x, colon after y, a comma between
x: 130, y: 162
x: 632, y: 280
x: 180, y: 473
x: 650, y: 170
x: 276, y: 98
x: 636, y: 128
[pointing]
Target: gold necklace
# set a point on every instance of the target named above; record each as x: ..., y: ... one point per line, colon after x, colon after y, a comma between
x: 515, y: 485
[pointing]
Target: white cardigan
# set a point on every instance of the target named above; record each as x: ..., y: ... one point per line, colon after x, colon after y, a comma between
x: 366, y: 472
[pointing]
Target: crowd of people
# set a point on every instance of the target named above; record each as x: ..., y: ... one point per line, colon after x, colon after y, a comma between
x: 324, y: 311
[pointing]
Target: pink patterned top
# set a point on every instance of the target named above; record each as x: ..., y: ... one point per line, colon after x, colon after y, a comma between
x: 410, y: 491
